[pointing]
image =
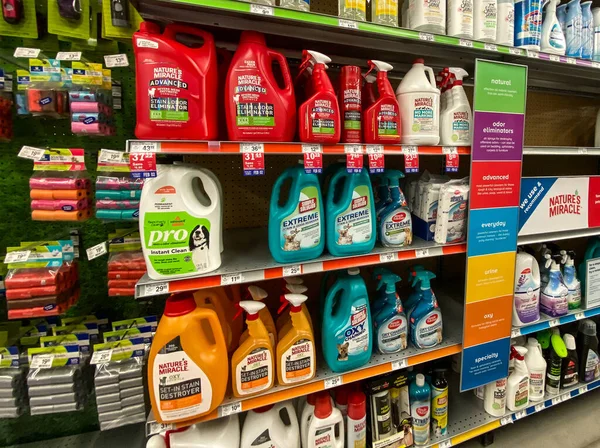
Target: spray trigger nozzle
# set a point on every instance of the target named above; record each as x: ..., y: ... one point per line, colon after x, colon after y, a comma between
x: 379, y: 66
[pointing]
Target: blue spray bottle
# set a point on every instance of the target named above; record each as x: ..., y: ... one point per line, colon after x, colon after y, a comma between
x: 426, y: 319
x: 587, y: 30
x: 347, y: 324
x: 390, y: 324
x: 573, y: 25
x: 378, y: 274
x: 384, y: 297
x: 296, y: 228
x: 350, y: 219
x: 416, y: 294
x: 395, y: 227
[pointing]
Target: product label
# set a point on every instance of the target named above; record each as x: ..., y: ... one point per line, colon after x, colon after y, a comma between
x: 323, y: 117
x: 302, y: 229
x: 358, y: 433
x: 252, y: 108
x: 457, y: 218
x: 392, y: 335
x: 181, y: 388
x: 554, y: 305
x: 387, y: 120
x: 420, y: 412
x: 168, y: 93
x: 461, y: 126
x: 355, y: 224
x: 490, y: 14
x: 299, y: 362
x: 386, y: 8
x: 352, y: 109
x: 383, y: 414
x: 528, y: 23
x: 424, y: 114
x: 360, y: 5
x: 264, y: 441
x: 324, y: 437
x: 553, y: 374
x: 396, y: 228
x: 522, y: 393
x: 255, y: 372
x: 463, y: 9
x: 536, y: 383
x: 557, y: 38
x: 499, y: 401
x: 434, y: 12
x: 527, y: 297
x: 570, y: 377
x: 439, y: 411
x: 355, y: 334
x: 574, y: 296
x: 176, y: 242
x: 427, y: 332
x: 592, y: 367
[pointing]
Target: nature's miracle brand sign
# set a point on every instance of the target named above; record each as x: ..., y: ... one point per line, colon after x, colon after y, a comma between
x: 554, y: 204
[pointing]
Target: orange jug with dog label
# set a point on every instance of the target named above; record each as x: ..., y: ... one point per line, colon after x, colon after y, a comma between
x: 188, y: 366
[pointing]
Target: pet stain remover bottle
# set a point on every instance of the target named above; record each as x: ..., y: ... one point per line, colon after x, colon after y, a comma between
x: 456, y: 119
x: 395, y: 226
x: 347, y: 322
x: 275, y: 425
x: 426, y: 318
x: 536, y: 365
x: 384, y: 277
x: 494, y: 397
x: 258, y: 294
x: 326, y: 429
x: 553, y: 300
x: 283, y: 319
x: 526, y: 309
x: 381, y: 119
x: 390, y: 324
x: 557, y: 352
x: 208, y: 298
x: 517, y: 386
x: 296, y: 227
x: 420, y: 409
x: 572, y: 283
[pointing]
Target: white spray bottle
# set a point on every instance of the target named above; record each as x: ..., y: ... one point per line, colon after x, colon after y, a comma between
x: 536, y: 364
x: 553, y: 39
x: 517, y: 387
x: 455, y: 122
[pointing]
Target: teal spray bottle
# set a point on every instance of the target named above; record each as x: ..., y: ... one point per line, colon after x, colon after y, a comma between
x: 380, y: 297
x: 426, y: 319
x: 395, y: 227
x: 417, y: 293
x: 390, y: 324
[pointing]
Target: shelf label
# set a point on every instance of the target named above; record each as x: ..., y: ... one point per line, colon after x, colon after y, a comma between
x: 41, y: 361
x: 351, y: 24
x: 506, y: 420
x: 232, y: 279
x: 490, y: 47
x: 465, y: 43
x: 31, y: 153
x: 422, y: 253
x: 253, y: 156
x: 110, y: 156
x: 445, y: 444
x: 571, y: 61
x: 376, y: 163
x: 515, y: 51
x: 519, y: 415
x: 399, y: 364
x: 313, y: 159
x: 388, y: 257
x: 116, y: 60
x: 23, y: 52
x: 411, y: 159
x: 230, y: 409
x: 449, y: 150
x: 156, y: 289
x: 515, y: 332
x: 354, y: 162
x: 261, y: 9
x: 595, y: 64
x: 565, y: 397
x: 144, y: 146
x: 142, y: 165
x: 579, y: 316
x: 554, y: 58
x: 540, y: 407
x: 583, y: 389
x: 426, y: 37
x: 68, y: 56
x: 533, y: 54
x: 452, y: 162
x: 17, y: 256
x: 153, y: 428
x: 290, y: 271
x: 556, y: 400
x: 554, y: 323
x: 582, y: 151
x: 101, y: 357
x: 96, y: 251
x: 330, y: 383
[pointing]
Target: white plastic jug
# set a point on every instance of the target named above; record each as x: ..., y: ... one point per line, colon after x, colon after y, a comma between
x: 274, y: 425
x: 419, y: 101
x: 181, y: 222
x: 221, y: 433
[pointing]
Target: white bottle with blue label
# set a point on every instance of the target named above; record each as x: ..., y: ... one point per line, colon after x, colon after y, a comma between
x: 390, y: 324
x: 426, y: 319
x: 420, y: 409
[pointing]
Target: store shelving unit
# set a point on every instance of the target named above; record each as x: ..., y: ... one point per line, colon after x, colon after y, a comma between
x: 549, y: 322
x: 561, y: 151
x: 557, y: 236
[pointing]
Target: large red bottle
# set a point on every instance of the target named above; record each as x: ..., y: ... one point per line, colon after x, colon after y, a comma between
x: 319, y: 115
x: 381, y: 120
x: 176, y: 85
x: 350, y: 104
x: 256, y: 107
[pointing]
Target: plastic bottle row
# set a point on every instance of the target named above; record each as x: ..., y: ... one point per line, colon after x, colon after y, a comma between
x: 179, y: 96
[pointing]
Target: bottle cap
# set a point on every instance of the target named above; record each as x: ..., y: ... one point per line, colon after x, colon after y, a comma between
x: 323, y: 405
x: 180, y: 304
x: 311, y: 399
x: 588, y: 327
x: 569, y: 341
x: 353, y: 271
x: 419, y: 61
x: 357, y: 405
x: 295, y: 300
x: 341, y: 396
x: 257, y: 293
x: 294, y: 280
x: 251, y: 307
x: 420, y: 379
x: 296, y: 289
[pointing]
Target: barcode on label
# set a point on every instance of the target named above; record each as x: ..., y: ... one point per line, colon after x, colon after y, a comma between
x: 515, y: 51
x: 96, y: 251
x: 289, y: 271
x: 556, y: 400
x: 42, y: 362
x: 490, y: 47
x: 68, y: 55
x: 116, y: 60
x: 515, y: 332
x: 333, y: 382
x: 571, y: 61
x: 410, y: 150
x: 18, y: 256
x: 390, y: 256
x: 399, y: 364
x: 554, y: 322
x: 446, y: 444
x: 426, y: 36
x: 374, y: 149
x: 22, y: 52
x: 156, y: 428
x: 596, y: 64
x: 449, y: 150
x: 230, y: 409
x: 533, y: 54
x: 156, y: 289
x: 582, y: 151
x: 108, y: 155
x: 231, y: 279
x: 506, y: 420
x: 31, y: 153
x: 519, y: 415
x: 583, y: 389
x: 555, y: 58
x: 579, y: 316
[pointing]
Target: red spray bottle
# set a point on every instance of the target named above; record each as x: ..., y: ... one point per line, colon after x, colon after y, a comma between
x: 350, y: 104
x: 381, y: 120
x: 319, y: 115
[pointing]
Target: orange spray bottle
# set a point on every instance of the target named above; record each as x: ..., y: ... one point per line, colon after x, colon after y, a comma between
x: 259, y: 294
x: 382, y: 118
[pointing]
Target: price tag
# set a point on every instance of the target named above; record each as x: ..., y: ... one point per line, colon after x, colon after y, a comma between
x: 426, y: 36
x: 68, y: 55
x: 110, y: 156
x: 445, y: 444
x: 490, y: 47
x: 554, y: 58
x: 290, y: 271
x: 19, y: 256
x: 554, y: 323
x: 156, y: 289
x: 142, y: 164
x: 101, y: 357
x: 572, y: 61
x: 343, y: 23
x: 31, y: 153
x: 533, y: 54
x: 583, y: 389
x: 376, y: 163
x: 515, y: 51
x: 116, y: 60
x: 354, y: 162
x: 421, y: 253
x: 389, y: 257
x: 582, y: 151
x: 566, y: 397
x: 519, y: 415
x: 579, y: 316
x: 411, y: 159
x: 313, y: 159
x: 231, y: 279
x: 400, y: 364
x: 253, y: 155
x: 465, y: 43
x: 556, y: 400
x: 144, y: 146
x: 157, y: 428
x: 515, y: 332
x: 22, y: 52
x: 449, y: 150
x: 333, y: 382
x: 230, y: 409
x: 540, y: 407
x: 595, y: 64
x: 261, y: 9
x: 96, y: 251
x: 452, y: 162
x: 506, y: 420
x: 41, y: 362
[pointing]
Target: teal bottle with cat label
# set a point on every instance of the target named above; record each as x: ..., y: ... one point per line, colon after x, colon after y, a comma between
x: 296, y: 224
x: 389, y: 321
x: 347, y: 323
x: 350, y: 209
x: 426, y: 318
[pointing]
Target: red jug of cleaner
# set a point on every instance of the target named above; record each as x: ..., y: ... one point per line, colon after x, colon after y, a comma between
x: 176, y: 84
x: 350, y: 104
x: 381, y: 120
x: 256, y: 107
x: 319, y: 115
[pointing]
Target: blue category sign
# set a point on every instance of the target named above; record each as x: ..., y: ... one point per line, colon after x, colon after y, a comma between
x: 484, y: 363
x: 492, y: 231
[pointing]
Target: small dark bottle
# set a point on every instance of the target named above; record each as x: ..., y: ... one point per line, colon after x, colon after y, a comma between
x: 570, y: 366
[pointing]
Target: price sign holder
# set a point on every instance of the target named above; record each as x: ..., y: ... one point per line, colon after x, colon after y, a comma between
x: 142, y: 165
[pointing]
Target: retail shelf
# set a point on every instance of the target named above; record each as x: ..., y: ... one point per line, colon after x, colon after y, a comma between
x: 468, y: 419
x: 561, y: 151
x: 549, y: 322
x: 326, y: 379
x: 214, y: 147
x: 557, y: 236
x: 247, y: 259
x: 353, y: 39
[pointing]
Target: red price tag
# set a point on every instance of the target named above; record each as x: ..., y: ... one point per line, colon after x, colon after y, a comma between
x: 313, y: 162
x: 354, y: 163
x: 376, y: 163
x: 452, y: 161
x: 142, y: 164
x: 254, y: 163
x: 411, y: 163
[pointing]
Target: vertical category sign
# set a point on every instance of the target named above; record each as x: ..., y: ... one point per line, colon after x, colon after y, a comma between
x: 497, y: 152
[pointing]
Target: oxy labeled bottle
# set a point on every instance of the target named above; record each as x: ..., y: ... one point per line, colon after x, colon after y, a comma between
x: 381, y: 119
x: 517, y: 386
x: 536, y: 365
x: 553, y: 38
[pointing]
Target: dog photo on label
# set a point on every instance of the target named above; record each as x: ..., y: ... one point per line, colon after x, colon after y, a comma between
x: 199, y: 244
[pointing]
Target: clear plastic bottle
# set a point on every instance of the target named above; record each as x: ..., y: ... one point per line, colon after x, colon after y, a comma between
x: 385, y: 12
x: 298, y: 5
x: 352, y: 9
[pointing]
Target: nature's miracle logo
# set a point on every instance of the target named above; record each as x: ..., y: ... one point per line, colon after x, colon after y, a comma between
x: 564, y: 204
